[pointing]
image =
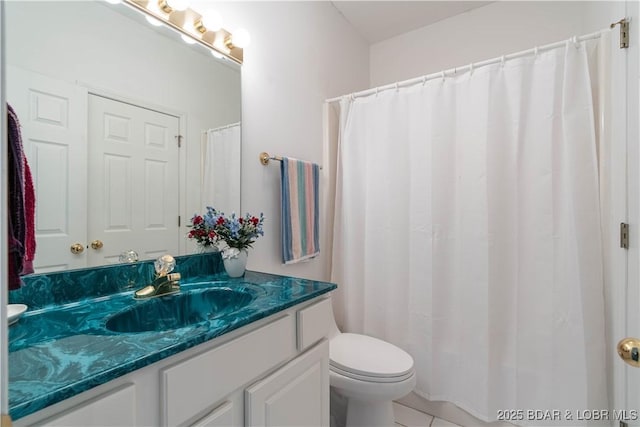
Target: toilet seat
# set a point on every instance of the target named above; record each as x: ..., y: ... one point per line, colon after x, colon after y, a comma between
x: 366, y: 358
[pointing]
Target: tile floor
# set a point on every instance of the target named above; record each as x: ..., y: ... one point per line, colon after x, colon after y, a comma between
x: 409, y: 417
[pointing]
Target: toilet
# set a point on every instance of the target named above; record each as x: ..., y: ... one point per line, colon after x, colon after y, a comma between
x: 369, y: 373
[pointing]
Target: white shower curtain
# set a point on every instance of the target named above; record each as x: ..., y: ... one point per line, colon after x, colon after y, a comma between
x: 467, y: 232
x: 221, y: 169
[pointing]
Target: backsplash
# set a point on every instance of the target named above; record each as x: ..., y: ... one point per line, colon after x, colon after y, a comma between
x: 47, y: 289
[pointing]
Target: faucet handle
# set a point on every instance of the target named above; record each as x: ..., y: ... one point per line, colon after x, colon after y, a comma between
x: 164, y: 265
x: 128, y: 256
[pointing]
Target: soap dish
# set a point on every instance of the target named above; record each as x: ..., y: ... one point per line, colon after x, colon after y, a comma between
x: 14, y: 311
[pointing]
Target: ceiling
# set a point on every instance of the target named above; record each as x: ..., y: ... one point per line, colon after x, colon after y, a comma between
x: 380, y: 20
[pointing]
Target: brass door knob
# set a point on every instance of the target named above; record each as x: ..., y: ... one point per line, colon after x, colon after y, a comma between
x: 97, y: 244
x: 77, y: 248
x: 629, y: 351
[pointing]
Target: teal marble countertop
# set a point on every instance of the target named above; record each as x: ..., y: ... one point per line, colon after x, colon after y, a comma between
x: 58, y: 351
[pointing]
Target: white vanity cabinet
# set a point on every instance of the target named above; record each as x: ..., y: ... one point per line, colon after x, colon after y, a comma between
x: 273, y: 372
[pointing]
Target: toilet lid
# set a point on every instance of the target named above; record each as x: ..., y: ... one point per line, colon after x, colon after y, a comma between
x: 368, y: 357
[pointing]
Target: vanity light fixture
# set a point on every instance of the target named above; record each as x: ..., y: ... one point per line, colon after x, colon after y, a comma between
x: 204, y: 29
x: 209, y: 21
x: 239, y: 39
x: 169, y: 6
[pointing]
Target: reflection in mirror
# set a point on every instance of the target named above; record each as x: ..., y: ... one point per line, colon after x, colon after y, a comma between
x: 127, y: 129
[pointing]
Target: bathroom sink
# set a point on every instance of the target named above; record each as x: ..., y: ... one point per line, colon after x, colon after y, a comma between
x: 180, y: 310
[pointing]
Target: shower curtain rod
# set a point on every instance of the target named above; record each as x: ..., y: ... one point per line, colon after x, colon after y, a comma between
x: 222, y: 127
x: 469, y: 67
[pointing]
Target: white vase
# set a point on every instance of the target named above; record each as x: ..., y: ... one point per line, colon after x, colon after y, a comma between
x: 235, y: 261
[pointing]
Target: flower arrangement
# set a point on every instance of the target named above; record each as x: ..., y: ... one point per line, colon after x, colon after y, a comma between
x: 202, y: 230
x: 237, y: 232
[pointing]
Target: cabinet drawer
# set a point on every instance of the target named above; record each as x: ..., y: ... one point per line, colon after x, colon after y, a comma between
x: 195, y: 385
x: 313, y: 323
x: 114, y: 408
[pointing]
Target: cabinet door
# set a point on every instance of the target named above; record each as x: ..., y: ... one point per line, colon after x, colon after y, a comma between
x: 295, y: 395
x: 222, y: 416
x: 116, y: 408
x: 192, y: 386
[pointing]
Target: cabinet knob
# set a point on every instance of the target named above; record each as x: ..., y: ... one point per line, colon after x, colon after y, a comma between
x: 77, y: 248
x: 97, y: 244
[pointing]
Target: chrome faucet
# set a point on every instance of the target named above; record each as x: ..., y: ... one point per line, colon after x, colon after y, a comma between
x: 165, y: 282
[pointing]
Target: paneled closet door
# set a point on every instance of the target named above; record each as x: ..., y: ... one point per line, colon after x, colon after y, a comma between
x: 52, y: 116
x: 133, y: 181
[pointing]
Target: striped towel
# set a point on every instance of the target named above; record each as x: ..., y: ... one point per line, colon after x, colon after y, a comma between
x: 300, y: 210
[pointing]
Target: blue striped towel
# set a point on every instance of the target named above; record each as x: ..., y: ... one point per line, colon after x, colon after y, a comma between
x: 300, y: 210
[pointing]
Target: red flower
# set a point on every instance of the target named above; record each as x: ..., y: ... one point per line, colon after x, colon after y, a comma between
x: 220, y: 221
x: 197, y: 220
x: 254, y: 220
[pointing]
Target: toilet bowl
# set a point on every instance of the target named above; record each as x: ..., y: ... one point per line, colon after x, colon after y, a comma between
x: 370, y: 374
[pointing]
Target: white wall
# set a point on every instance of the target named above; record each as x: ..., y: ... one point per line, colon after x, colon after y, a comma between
x: 496, y: 29
x: 301, y: 53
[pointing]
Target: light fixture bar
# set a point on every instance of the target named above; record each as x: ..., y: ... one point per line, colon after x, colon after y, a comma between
x: 181, y: 20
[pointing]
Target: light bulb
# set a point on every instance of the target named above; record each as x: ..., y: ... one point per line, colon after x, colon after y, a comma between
x: 241, y: 38
x: 187, y: 39
x: 211, y: 20
x: 178, y: 4
x: 153, y: 21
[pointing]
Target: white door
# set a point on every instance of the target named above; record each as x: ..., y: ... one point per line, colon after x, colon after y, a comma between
x: 632, y: 319
x: 133, y: 181
x: 625, y: 315
x: 52, y: 116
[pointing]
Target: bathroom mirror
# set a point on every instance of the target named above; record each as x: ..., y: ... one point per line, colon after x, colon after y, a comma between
x: 128, y: 130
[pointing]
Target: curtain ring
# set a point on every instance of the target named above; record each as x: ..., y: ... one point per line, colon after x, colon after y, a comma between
x: 424, y: 80
x: 471, y: 68
x: 377, y: 88
x: 535, y: 51
x: 442, y: 75
x: 575, y: 42
x: 397, y: 87
x: 502, y: 59
x: 455, y: 70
